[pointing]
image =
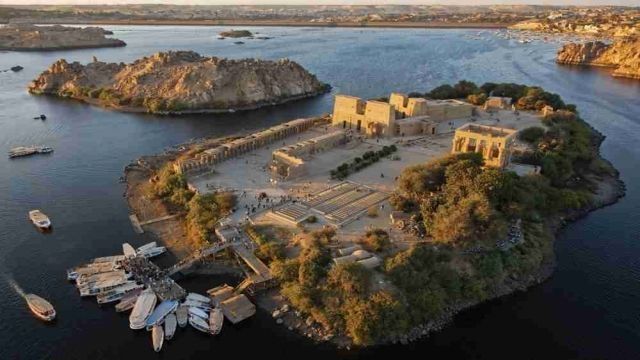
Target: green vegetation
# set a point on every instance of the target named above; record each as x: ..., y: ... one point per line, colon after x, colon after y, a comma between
x: 269, y: 249
x: 359, y: 163
x: 342, y: 297
x: 464, y: 208
x: 202, y: 211
x: 377, y: 240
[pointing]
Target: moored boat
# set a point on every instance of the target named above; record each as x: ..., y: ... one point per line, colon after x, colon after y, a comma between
x: 182, y: 315
x: 128, y: 301
x: 101, y: 287
x: 199, y: 324
x: 170, y: 323
x: 193, y: 303
x: 159, y: 313
x: 199, y: 298
x: 119, y: 292
x: 194, y: 311
x: 216, y: 319
x: 147, y: 246
x: 128, y: 250
x: 142, y: 309
x: 39, y: 219
x: 157, y: 336
x: 40, y: 307
x: 153, y: 252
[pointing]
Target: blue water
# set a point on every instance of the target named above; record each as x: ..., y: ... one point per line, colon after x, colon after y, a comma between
x: 588, y: 309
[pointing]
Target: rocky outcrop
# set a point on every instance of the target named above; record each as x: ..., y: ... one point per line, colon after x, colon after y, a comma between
x: 236, y: 33
x: 21, y: 37
x: 180, y: 82
x: 623, y: 55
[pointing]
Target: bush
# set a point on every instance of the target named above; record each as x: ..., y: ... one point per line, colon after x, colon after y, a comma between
x: 532, y: 134
x: 377, y: 240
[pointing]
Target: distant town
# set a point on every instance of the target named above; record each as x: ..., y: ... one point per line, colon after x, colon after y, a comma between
x: 613, y: 20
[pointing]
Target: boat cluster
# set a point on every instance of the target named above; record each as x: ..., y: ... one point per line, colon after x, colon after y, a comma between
x: 106, y: 279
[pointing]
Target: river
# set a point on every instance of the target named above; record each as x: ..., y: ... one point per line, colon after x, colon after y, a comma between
x: 589, y: 308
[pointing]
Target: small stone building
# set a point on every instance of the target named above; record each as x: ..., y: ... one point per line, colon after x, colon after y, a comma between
x: 494, y: 143
x: 497, y: 102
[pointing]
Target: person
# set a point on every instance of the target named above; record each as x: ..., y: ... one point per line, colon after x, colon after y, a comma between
x: 381, y: 175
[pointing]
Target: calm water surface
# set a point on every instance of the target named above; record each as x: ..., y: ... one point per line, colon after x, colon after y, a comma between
x: 590, y: 308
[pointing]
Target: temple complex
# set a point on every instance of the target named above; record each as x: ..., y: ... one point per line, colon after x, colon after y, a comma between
x: 400, y: 116
x: 494, y: 143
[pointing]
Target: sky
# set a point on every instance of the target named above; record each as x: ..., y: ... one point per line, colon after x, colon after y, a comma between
x: 326, y: 2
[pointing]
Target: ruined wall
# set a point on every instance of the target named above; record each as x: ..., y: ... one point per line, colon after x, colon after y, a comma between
x: 493, y: 143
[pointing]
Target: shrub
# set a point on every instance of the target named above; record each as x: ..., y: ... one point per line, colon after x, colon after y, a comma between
x: 531, y: 134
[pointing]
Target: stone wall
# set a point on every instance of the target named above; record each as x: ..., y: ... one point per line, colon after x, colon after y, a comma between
x: 494, y: 143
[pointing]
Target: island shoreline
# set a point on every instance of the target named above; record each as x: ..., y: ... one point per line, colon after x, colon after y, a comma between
x: 610, y: 190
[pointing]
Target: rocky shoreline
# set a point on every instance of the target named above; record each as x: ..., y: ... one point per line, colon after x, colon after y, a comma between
x: 22, y: 37
x: 180, y: 82
x: 623, y: 56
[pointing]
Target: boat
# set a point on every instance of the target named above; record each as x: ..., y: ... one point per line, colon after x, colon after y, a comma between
x: 92, y: 279
x: 182, y: 314
x: 145, y: 247
x: 157, y: 336
x: 39, y: 219
x: 194, y: 311
x: 142, y: 309
x: 29, y: 150
x: 128, y: 250
x: 102, y: 286
x: 90, y: 269
x: 128, y: 301
x: 153, y: 252
x: 40, y: 307
x: 216, y: 319
x: 197, y: 304
x: 199, y: 324
x: 118, y: 293
x: 170, y: 323
x: 112, y: 258
x: 157, y: 316
x: 199, y: 298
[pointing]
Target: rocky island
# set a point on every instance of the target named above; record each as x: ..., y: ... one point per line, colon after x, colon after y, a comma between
x: 180, y: 82
x: 623, y: 56
x: 22, y: 37
x: 421, y: 231
x: 236, y: 33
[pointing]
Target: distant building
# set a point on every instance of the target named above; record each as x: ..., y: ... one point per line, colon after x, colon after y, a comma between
x: 494, y: 143
x: 497, y: 102
x: 399, y: 117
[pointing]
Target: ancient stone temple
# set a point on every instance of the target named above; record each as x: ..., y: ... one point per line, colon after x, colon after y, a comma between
x: 494, y: 143
x: 400, y: 116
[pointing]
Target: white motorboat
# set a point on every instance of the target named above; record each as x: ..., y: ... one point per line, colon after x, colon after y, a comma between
x: 119, y: 292
x: 142, y: 309
x: 198, y: 304
x: 216, y: 319
x: 170, y: 323
x: 147, y: 246
x: 153, y: 252
x: 128, y: 250
x: 199, y: 298
x: 40, y: 307
x: 157, y: 336
x: 199, y: 324
x: 182, y: 314
x: 194, y: 311
x: 39, y: 219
